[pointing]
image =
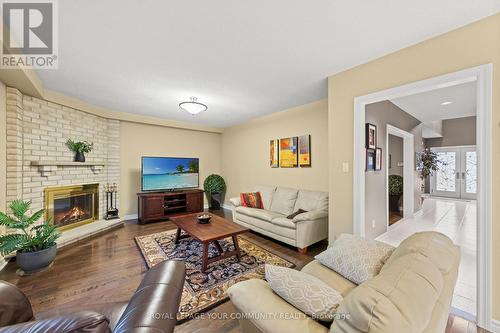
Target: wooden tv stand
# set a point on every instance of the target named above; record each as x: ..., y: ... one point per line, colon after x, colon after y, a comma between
x: 157, y: 206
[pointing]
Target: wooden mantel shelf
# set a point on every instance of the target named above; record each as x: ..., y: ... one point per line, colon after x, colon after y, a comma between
x: 46, y: 167
x: 64, y: 163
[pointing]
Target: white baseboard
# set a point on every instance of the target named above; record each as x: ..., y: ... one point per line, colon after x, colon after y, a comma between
x: 130, y: 217
x: 495, y: 326
x: 230, y: 207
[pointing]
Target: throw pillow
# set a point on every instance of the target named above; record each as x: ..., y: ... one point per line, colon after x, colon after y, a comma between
x: 355, y: 258
x: 305, y: 292
x: 300, y: 211
x: 251, y: 199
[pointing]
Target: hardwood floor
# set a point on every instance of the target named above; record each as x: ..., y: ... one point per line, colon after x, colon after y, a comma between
x: 109, y: 268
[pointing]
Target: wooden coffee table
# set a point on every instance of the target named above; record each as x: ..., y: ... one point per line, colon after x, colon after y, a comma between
x: 218, y: 228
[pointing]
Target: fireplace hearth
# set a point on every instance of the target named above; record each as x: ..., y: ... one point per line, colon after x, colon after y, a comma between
x: 72, y: 206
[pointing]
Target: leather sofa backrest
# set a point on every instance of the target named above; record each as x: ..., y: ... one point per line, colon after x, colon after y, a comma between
x: 412, y: 293
x: 284, y: 200
x: 15, y: 307
x: 311, y: 200
x: 267, y: 193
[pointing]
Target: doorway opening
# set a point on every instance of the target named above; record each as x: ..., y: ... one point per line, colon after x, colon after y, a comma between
x: 473, y: 215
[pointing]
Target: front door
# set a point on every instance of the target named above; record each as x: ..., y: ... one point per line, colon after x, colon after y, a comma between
x: 456, y: 176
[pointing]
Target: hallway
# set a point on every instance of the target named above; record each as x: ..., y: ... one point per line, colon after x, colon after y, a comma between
x: 457, y: 220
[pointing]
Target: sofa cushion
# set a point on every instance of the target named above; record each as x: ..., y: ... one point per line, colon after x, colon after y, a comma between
x: 329, y: 276
x: 251, y: 199
x: 435, y: 246
x: 262, y: 214
x: 250, y: 222
x: 266, y: 193
x: 284, y: 200
x: 311, y: 200
x: 399, y: 299
x: 355, y: 258
x: 306, y: 292
x: 284, y: 222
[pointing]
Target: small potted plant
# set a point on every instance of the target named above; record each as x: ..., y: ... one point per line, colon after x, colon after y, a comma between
x: 214, y: 186
x: 35, y: 245
x: 80, y: 148
x: 395, y: 192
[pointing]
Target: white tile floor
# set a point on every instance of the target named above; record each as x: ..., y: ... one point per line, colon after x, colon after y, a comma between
x: 457, y: 220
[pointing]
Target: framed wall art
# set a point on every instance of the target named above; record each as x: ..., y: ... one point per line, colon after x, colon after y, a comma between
x: 274, y: 153
x: 370, y: 160
x: 305, y: 151
x: 288, y: 152
x: 370, y: 136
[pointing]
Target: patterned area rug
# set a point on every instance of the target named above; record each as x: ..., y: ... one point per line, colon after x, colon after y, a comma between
x: 203, y: 291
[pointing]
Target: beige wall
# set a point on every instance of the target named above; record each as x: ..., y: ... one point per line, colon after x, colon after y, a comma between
x: 245, y: 150
x: 148, y: 140
x: 3, y: 147
x: 466, y: 47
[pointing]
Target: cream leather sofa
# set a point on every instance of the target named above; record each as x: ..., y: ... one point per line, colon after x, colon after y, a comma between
x: 411, y: 294
x: 303, y: 230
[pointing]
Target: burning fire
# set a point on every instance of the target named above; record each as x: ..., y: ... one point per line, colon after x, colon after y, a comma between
x: 75, y: 213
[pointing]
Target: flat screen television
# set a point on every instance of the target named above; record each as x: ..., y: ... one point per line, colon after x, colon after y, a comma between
x: 169, y: 173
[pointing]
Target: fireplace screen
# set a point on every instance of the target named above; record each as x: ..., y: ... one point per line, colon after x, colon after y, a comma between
x: 71, y: 206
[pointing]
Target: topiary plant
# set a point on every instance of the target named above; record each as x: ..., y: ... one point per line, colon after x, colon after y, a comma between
x: 395, y: 185
x: 214, y: 184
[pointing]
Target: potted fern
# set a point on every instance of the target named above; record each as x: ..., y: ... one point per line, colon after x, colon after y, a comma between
x: 79, y: 148
x: 35, y: 245
x: 214, y: 186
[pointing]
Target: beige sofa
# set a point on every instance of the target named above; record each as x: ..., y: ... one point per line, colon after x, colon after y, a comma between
x: 303, y: 230
x: 411, y: 294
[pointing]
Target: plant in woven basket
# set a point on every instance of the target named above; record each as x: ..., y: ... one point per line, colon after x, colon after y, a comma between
x: 214, y: 186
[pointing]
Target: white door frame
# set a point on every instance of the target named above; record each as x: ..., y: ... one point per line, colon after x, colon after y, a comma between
x: 408, y: 175
x: 483, y: 75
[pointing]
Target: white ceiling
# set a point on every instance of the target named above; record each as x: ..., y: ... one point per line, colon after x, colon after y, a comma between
x: 427, y: 107
x: 243, y: 59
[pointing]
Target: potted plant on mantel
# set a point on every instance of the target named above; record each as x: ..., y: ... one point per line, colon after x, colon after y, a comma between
x: 214, y: 186
x: 395, y: 192
x: 35, y: 245
x: 80, y: 148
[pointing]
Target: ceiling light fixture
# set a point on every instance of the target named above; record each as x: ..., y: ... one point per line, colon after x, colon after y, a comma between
x: 446, y: 103
x: 193, y: 107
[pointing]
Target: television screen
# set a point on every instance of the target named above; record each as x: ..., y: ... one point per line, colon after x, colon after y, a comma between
x: 167, y: 173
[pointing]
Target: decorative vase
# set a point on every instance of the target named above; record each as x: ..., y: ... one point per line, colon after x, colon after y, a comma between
x: 215, y: 200
x: 32, y: 262
x: 394, y: 202
x: 79, y: 157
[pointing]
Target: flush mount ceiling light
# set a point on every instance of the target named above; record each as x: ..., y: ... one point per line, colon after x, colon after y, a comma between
x: 446, y: 103
x: 193, y: 106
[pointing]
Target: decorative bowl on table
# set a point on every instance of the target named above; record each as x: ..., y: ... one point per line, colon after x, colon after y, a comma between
x: 204, y: 218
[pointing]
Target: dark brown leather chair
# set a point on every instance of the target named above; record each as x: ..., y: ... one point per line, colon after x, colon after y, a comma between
x: 153, y: 308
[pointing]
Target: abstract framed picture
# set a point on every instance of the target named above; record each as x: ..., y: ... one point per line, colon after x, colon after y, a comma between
x: 378, y: 159
x: 288, y: 153
x: 370, y: 160
x: 274, y: 153
x: 305, y: 151
x: 370, y: 136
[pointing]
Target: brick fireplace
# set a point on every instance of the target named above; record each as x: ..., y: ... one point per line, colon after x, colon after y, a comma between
x: 38, y: 161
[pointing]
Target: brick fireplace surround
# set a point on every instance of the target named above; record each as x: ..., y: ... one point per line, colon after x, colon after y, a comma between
x: 37, y: 155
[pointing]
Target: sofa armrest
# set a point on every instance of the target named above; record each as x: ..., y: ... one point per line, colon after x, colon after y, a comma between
x: 236, y: 201
x: 82, y: 321
x: 311, y: 216
x: 155, y: 303
x: 266, y: 311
